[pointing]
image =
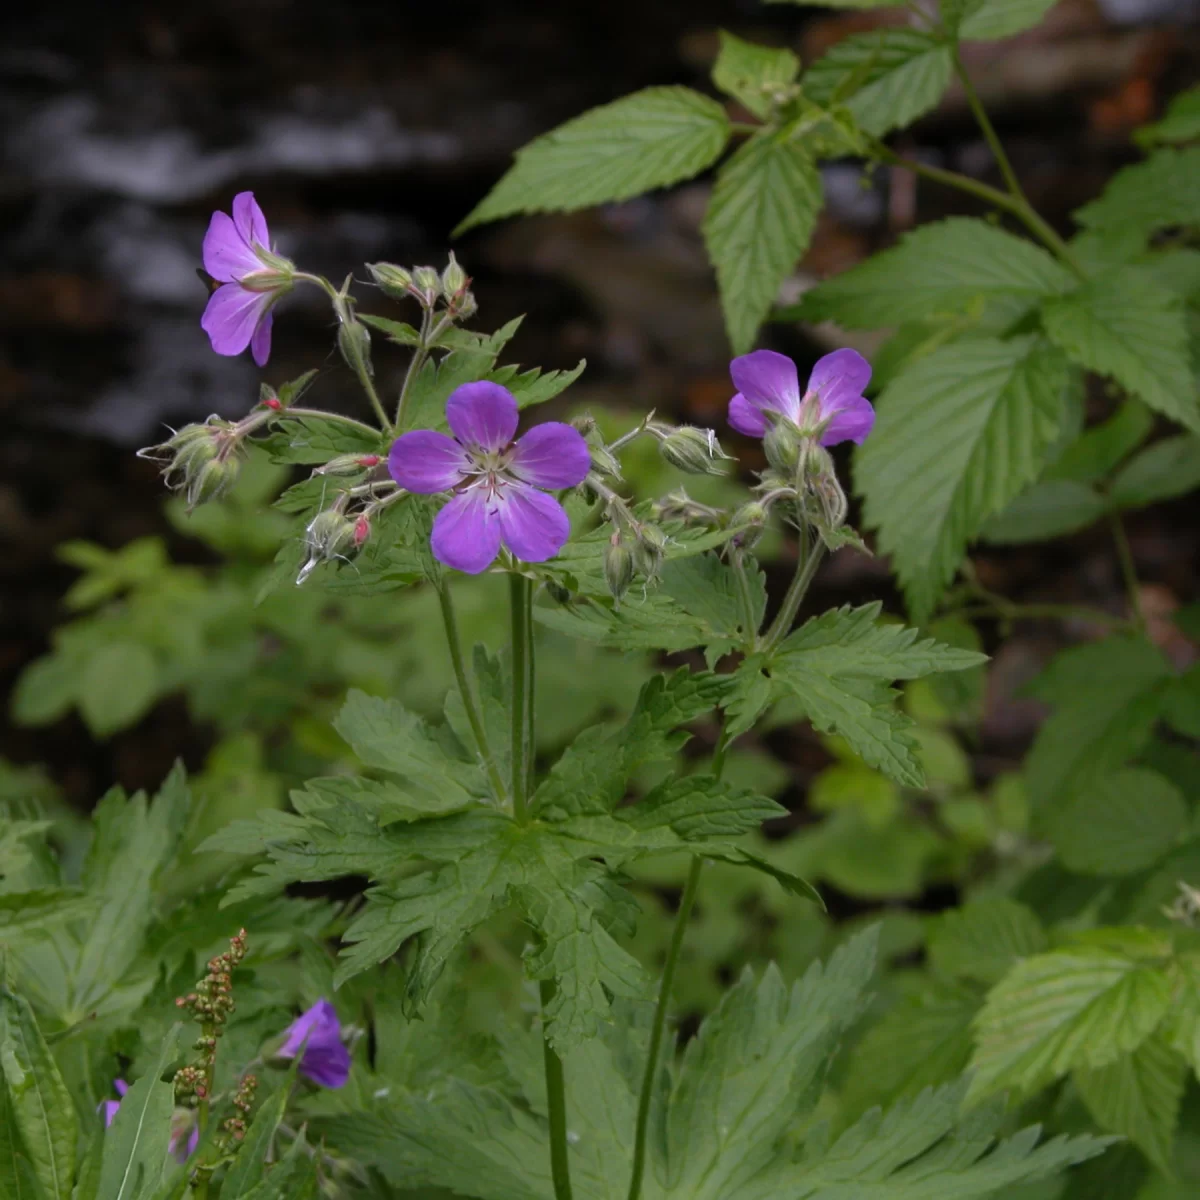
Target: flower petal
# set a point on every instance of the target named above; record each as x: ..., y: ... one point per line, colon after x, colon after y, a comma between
x: 482, y: 415
x: 839, y: 379
x: 249, y: 220
x: 768, y: 380
x: 533, y: 524
x: 121, y: 1086
x: 232, y: 317
x: 552, y: 455
x: 851, y: 423
x: 227, y: 256
x: 466, y: 533
x: 314, y: 1024
x: 425, y: 461
x: 327, y: 1064
x: 260, y: 343
x: 109, y: 1108
x: 747, y: 419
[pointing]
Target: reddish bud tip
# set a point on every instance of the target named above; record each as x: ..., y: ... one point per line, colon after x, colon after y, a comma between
x: 273, y: 404
x: 362, y: 530
x: 369, y: 460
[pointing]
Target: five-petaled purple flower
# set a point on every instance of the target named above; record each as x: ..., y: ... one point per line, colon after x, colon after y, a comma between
x: 317, y: 1036
x: 185, y: 1133
x: 833, y: 402
x: 237, y: 253
x: 495, y: 480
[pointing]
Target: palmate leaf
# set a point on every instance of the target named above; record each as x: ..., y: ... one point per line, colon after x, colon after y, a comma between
x: 650, y: 139
x: 761, y: 215
x: 960, y: 433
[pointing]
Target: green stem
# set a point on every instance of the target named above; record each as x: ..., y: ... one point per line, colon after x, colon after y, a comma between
x: 322, y: 415
x: 1033, y: 612
x: 1128, y: 573
x: 426, y: 340
x: 686, y: 903
x: 989, y: 130
x: 556, y: 1105
x: 749, y: 615
x: 519, y: 600
x: 464, y: 689
x: 368, y: 386
x: 809, y: 560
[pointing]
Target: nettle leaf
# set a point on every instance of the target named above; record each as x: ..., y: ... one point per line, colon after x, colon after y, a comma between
x: 310, y: 440
x: 1180, y: 123
x: 1163, y: 471
x: 1138, y: 1097
x: 1107, y: 697
x: 839, y: 666
x: 755, y: 75
x: 938, y: 270
x: 651, y: 139
x: 1083, y: 1006
x: 760, y: 218
x: 1161, y: 193
x: 984, y: 939
x: 1129, y: 327
x: 989, y: 20
x: 887, y: 78
x: 960, y: 433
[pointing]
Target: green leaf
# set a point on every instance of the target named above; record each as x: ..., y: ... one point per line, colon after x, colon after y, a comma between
x: 1076, y: 1007
x: 40, y: 1108
x: 1127, y: 326
x: 1180, y: 123
x: 1107, y: 697
x: 887, y: 78
x: 761, y: 215
x: 959, y: 434
x: 839, y: 664
x: 989, y: 20
x: 117, y: 686
x: 1163, y: 471
x: 939, y: 270
x: 651, y: 139
x: 536, y: 386
x: 755, y: 75
x: 46, y: 690
x: 248, y: 1168
x: 1138, y: 1097
x: 1118, y: 823
x: 984, y: 939
x: 1098, y: 450
x: 1046, y: 510
x: 707, y: 589
x: 1161, y: 193
x: 310, y: 440
x: 17, y: 1180
x: 136, y: 1144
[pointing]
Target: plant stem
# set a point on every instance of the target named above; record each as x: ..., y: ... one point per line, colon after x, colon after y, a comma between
x: 809, y: 560
x: 519, y: 599
x: 749, y: 616
x: 988, y: 130
x: 464, y: 690
x: 666, y: 984
x: 556, y: 1106
x: 1006, y: 611
x: 368, y: 386
x: 427, y: 338
x: 1128, y: 573
x: 322, y: 415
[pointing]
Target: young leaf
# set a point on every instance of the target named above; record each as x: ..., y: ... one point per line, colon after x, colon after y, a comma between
x: 939, y: 269
x: 1163, y: 471
x: 886, y: 78
x: 1126, y: 325
x: 759, y: 221
x: 651, y: 139
x: 959, y: 434
x: 1077, y: 1007
x: 753, y: 74
x: 1161, y: 193
x: 40, y: 1109
x: 989, y: 20
x: 984, y: 939
x: 1138, y: 1097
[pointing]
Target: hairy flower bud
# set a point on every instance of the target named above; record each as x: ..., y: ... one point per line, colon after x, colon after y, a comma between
x: 355, y: 344
x: 348, y: 464
x: 693, y: 450
x: 649, y: 549
x: 212, y: 480
x: 427, y: 283
x: 781, y: 444
x: 454, y: 279
x: 394, y: 281
x: 604, y: 461
x: 330, y: 534
x: 750, y: 520
x: 618, y: 567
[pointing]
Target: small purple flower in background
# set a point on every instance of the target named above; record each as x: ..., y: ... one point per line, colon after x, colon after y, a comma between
x: 238, y: 255
x: 325, y: 1059
x: 185, y: 1135
x: 109, y: 1107
x: 495, y: 480
x: 833, y: 401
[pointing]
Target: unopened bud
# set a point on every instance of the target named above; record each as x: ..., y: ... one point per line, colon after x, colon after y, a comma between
x: 693, y: 450
x: 464, y: 304
x: 618, y: 567
x: 362, y: 531
x: 782, y: 447
x: 427, y: 282
x: 330, y: 534
x: 454, y: 279
x: 649, y: 549
x: 750, y: 520
x: 393, y: 280
x: 604, y: 461
x: 213, y: 479
x: 585, y: 423
x: 355, y: 344
x: 348, y: 464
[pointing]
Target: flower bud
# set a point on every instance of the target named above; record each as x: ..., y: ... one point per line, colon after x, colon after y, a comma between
x: 464, y: 304
x: 693, y: 450
x: 604, y: 461
x: 428, y: 283
x: 213, y: 479
x: 355, y: 344
x: 394, y: 281
x: 348, y: 464
x: 618, y: 567
x: 782, y: 447
x: 649, y: 550
x: 330, y: 534
x: 362, y: 530
x: 750, y: 520
x: 454, y: 279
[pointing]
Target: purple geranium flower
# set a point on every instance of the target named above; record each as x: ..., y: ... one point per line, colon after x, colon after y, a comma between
x: 832, y: 403
x: 109, y: 1107
x: 237, y: 253
x: 495, y: 480
x: 325, y: 1060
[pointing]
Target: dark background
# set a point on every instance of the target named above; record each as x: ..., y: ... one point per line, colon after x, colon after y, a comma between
x: 367, y: 131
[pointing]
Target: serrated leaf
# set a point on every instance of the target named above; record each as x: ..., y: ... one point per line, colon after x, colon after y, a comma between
x: 938, y: 270
x: 1093, y: 454
x: 887, y: 78
x: 989, y: 20
x: 310, y: 440
x: 707, y: 589
x: 1117, y: 823
x: 39, y: 1105
x: 1078, y: 1007
x: 1047, y: 510
x: 959, y: 434
x: 651, y: 139
x: 755, y: 75
x: 117, y: 686
x: 1180, y: 123
x: 1161, y: 193
x: 536, y: 386
x: 1125, y: 325
x: 1138, y: 1097
x: 761, y: 215
x: 1163, y: 471
x: 984, y: 939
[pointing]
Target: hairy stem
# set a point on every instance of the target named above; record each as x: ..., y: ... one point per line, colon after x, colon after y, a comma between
x: 427, y: 339
x: 556, y: 1106
x: 519, y: 599
x: 749, y: 615
x: 368, y: 386
x: 666, y: 985
x: 322, y: 415
x: 1128, y: 573
x: 464, y: 689
x: 809, y: 559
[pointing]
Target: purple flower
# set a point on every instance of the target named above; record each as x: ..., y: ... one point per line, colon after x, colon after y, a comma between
x: 325, y: 1060
x: 495, y: 480
x: 109, y: 1107
x: 832, y: 403
x: 185, y: 1135
x: 237, y: 253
